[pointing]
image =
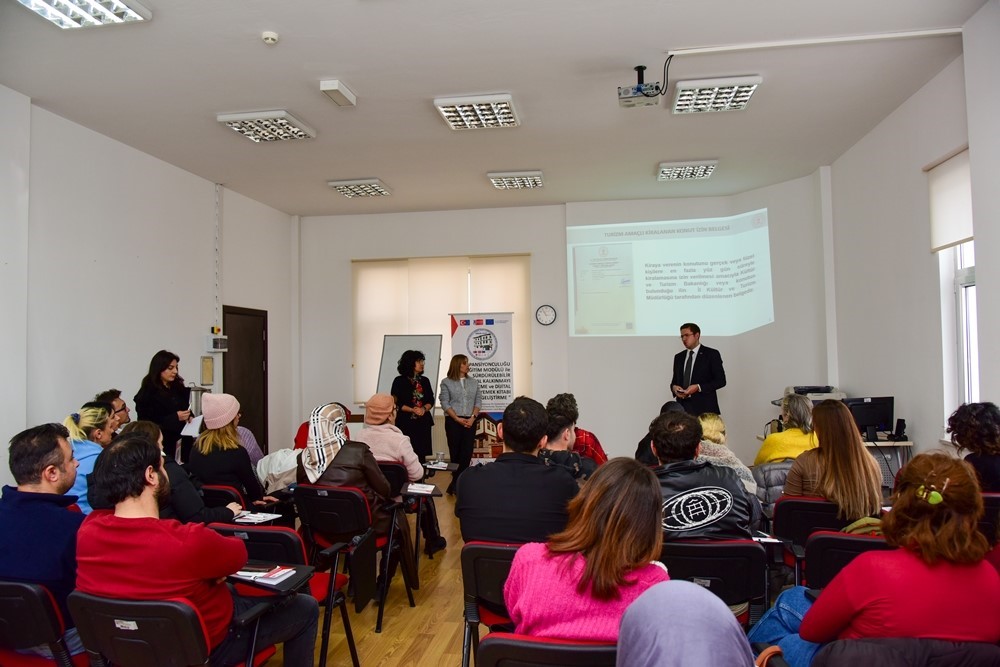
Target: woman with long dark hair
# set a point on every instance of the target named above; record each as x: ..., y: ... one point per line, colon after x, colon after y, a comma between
x: 840, y: 469
x: 414, y: 402
x: 579, y: 583
x: 164, y: 400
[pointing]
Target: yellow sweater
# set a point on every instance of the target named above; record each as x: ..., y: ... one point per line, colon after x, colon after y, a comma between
x: 787, y: 444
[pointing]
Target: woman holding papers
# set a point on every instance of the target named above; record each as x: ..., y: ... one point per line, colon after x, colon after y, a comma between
x: 164, y: 400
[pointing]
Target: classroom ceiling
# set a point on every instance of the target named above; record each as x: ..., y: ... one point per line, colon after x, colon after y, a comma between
x: 158, y: 87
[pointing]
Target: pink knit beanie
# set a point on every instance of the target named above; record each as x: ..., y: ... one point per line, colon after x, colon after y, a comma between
x: 219, y: 409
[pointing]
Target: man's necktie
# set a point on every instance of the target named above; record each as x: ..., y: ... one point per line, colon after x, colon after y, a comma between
x: 687, y: 369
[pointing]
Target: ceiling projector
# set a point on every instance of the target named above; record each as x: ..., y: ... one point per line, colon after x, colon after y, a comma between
x: 641, y: 94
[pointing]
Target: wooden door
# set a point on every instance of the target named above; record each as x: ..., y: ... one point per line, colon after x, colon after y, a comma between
x: 244, y: 369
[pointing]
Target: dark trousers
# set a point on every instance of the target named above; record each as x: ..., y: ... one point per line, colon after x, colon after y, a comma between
x: 292, y: 623
x: 461, y: 441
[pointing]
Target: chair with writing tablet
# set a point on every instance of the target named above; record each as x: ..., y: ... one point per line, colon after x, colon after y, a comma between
x: 30, y: 617
x: 281, y: 545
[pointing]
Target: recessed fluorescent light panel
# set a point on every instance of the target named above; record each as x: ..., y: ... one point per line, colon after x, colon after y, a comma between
x: 338, y: 91
x: 707, y: 95
x: 475, y: 113
x: 515, y: 180
x: 258, y: 126
x: 88, y: 13
x: 363, y: 187
x: 686, y: 171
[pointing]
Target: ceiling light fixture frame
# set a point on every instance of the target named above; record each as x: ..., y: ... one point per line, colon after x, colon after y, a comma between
x: 267, y: 126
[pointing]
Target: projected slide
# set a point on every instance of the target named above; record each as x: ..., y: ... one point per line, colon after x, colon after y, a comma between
x: 648, y: 278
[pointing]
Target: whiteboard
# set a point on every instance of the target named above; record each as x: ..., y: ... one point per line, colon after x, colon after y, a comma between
x: 393, y: 347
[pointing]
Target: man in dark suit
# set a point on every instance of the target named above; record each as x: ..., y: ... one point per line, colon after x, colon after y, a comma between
x: 698, y: 373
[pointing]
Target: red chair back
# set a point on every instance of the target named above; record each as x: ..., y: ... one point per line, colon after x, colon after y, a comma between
x: 797, y: 517
x: 501, y: 649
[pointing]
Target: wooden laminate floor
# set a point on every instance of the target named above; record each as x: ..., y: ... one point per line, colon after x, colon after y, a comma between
x: 429, y: 633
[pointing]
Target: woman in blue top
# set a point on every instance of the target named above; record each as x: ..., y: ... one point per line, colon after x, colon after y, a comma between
x: 90, y: 431
x: 461, y: 402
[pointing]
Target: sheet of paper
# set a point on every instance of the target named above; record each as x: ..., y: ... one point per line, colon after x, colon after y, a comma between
x: 423, y: 489
x: 193, y: 426
x: 259, y: 517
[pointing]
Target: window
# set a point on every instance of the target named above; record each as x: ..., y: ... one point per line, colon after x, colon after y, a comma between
x: 950, y: 189
x: 966, y: 320
x: 415, y: 296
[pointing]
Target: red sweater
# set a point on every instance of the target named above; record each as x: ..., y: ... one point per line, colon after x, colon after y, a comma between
x: 895, y: 594
x: 157, y: 559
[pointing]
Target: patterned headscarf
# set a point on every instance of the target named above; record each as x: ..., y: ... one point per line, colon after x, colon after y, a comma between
x: 326, y: 436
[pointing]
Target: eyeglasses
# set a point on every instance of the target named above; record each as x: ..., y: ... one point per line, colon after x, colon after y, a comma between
x: 123, y: 408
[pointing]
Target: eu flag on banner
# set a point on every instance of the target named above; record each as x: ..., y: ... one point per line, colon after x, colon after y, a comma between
x: 489, y: 321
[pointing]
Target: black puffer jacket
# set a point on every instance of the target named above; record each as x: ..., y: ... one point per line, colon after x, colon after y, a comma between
x: 701, y: 500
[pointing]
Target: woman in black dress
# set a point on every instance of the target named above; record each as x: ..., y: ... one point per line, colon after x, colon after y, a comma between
x: 414, y: 402
x: 164, y: 400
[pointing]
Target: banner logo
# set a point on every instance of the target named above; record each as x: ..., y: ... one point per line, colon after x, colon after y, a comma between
x: 481, y: 344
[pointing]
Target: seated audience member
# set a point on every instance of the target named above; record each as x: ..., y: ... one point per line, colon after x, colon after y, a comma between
x: 302, y: 435
x: 185, y: 503
x: 121, y: 409
x: 714, y: 450
x: 331, y: 459
x: 935, y: 584
x: 840, y: 469
x: 579, y: 583
x: 249, y: 443
x: 558, y: 451
x: 643, y: 451
x: 130, y: 553
x: 388, y: 443
x: 585, y: 443
x: 679, y: 624
x: 797, y: 437
x: 218, y: 457
x: 39, y: 543
x: 700, y: 500
x: 517, y: 498
x: 975, y: 427
x: 90, y: 430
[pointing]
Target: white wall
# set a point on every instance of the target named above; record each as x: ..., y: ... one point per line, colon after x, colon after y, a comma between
x: 887, y: 280
x: 115, y: 260
x: 981, y: 40
x: 328, y: 244
x: 257, y: 245
x: 619, y: 383
x: 15, y: 118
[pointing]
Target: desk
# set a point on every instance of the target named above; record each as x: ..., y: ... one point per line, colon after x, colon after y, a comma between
x: 884, y: 452
x: 406, y: 492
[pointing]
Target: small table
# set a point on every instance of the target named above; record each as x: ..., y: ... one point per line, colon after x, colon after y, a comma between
x: 420, y: 495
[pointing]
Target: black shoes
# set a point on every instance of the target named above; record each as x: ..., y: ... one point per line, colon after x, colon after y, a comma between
x: 435, y: 545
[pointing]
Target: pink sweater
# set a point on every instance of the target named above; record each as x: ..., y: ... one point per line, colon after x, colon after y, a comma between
x: 542, y: 599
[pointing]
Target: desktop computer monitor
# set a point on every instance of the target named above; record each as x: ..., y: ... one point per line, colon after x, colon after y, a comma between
x: 871, y: 412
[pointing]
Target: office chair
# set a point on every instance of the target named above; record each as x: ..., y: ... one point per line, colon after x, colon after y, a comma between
x: 485, y: 567
x: 828, y: 552
x: 735, y: 570
x: 30, y: 617
x: 332, y: 514
x: 502, y: 649
x: 220, y: 495
x: 281, y: 545
x: 796, y: 518
x: 155, y: 633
